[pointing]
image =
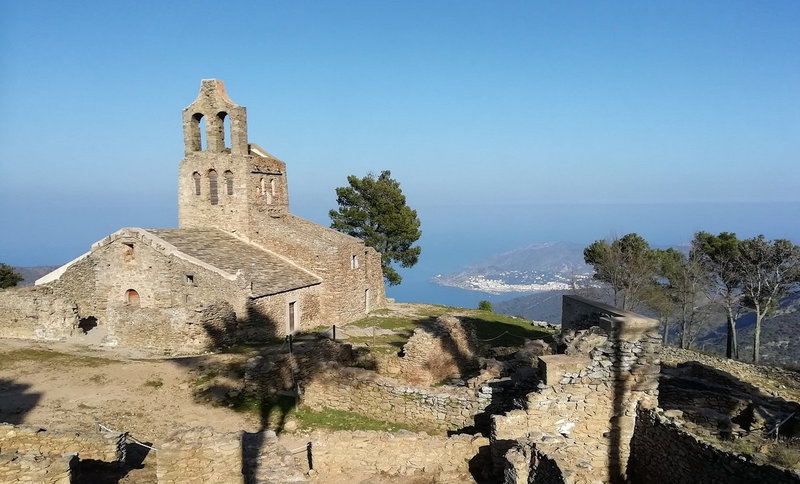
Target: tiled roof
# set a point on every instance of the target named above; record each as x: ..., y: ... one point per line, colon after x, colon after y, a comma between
x: 268, y: 273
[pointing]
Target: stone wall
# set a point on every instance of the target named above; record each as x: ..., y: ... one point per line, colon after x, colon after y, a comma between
x: 266, y: 375
x: 35, y: 466
x: 367, y: 393
x: 102, y: 446
x: 405, y: 454
x: 662, y: 452
x: 30, y: 454
x: 36, y: 313
x: 588, y: 400
x: 200, y: 455
x: 446, y: 348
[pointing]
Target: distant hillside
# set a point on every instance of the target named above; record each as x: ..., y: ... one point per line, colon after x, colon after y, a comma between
x: 537, y: 267
x: 30, y: 274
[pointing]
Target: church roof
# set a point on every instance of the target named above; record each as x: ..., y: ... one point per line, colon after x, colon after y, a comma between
x: 267, y: 272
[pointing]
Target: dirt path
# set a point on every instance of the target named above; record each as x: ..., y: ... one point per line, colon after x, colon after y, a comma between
x: 62, y: 387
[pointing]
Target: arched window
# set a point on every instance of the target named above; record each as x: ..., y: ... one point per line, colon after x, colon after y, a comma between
x: 212, y: 187
x: 272, y: 186
x: 229, y: 182
x: 196, y: 177
x: 224, y: 129
x: 132, y: 297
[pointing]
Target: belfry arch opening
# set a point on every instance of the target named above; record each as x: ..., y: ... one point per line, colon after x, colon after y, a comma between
x: 224, y: 130
x: 198, y: 141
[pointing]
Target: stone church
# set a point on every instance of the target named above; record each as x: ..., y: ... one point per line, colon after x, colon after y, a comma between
x: 239, y: 267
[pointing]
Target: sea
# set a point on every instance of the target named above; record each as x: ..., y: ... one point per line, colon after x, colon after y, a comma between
x: 455, y: 237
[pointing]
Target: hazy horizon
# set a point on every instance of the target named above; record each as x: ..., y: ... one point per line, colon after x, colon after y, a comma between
x: 505, y: 123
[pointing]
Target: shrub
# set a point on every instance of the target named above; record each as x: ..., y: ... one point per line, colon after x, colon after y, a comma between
x: 485, y: 306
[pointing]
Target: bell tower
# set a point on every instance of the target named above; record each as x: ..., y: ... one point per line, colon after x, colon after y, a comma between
x: 224, y: 181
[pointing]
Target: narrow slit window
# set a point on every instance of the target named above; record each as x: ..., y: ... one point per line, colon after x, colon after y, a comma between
x: 212, y: 187
x: 229, y: 182
x: 196, y: 178
x: 354, y: 262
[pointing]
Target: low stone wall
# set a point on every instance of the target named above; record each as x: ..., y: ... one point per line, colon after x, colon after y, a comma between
x: 200, y: 455
x: 584, y: 413
x: 266, y: 375
x: 34, y: 466
x: 102, y: 446
x: 403, y: 454
x: 664, y: 453
x: 35, y: 313
x: 367, y: 393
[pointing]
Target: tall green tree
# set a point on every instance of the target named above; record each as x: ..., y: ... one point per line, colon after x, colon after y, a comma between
x: 626, y: 264
x: 719, y: 255
x: 8, y: 276
x: 683, y: 280
x: 768, y: 270
x: 374, y: 209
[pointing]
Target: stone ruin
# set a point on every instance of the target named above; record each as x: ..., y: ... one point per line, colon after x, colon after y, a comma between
x: 592, y: 415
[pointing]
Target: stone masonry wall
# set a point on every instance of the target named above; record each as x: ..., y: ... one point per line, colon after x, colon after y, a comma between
x: 328, y: 254
x: 102, y: 447
x: 367, y: 393
x: 404, y: 454
x: 664, y: 453
x: 587, y: 403
x: 34, y: 466
x: 447, y: 348
x: 35, y: 313
x: 200, y: 455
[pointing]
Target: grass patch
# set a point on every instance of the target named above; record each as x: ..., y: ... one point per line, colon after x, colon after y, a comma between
x: 490, y: 326
x: 205, y: 378
x: 50, y: 357
x: 392, y: 323
x: 154, y: 383
x: 276, y: 410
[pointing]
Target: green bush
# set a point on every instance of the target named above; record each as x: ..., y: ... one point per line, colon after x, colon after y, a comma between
x: 485, y: 306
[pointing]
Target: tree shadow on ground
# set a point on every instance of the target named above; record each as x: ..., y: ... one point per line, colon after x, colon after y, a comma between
x: 16, y: 401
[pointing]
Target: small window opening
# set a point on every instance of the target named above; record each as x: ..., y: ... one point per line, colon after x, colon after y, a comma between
x: 366, y: 300
x: 196, y: 177
x: 354, y: 262
x: 212, y: 187
x: 272, y: 187
x: 132, y: 297
x: 190, y: 278
x: 229, y: 182
x: 127, y: 252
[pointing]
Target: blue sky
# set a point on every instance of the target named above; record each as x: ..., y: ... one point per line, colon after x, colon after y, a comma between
x: 473, y: 105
